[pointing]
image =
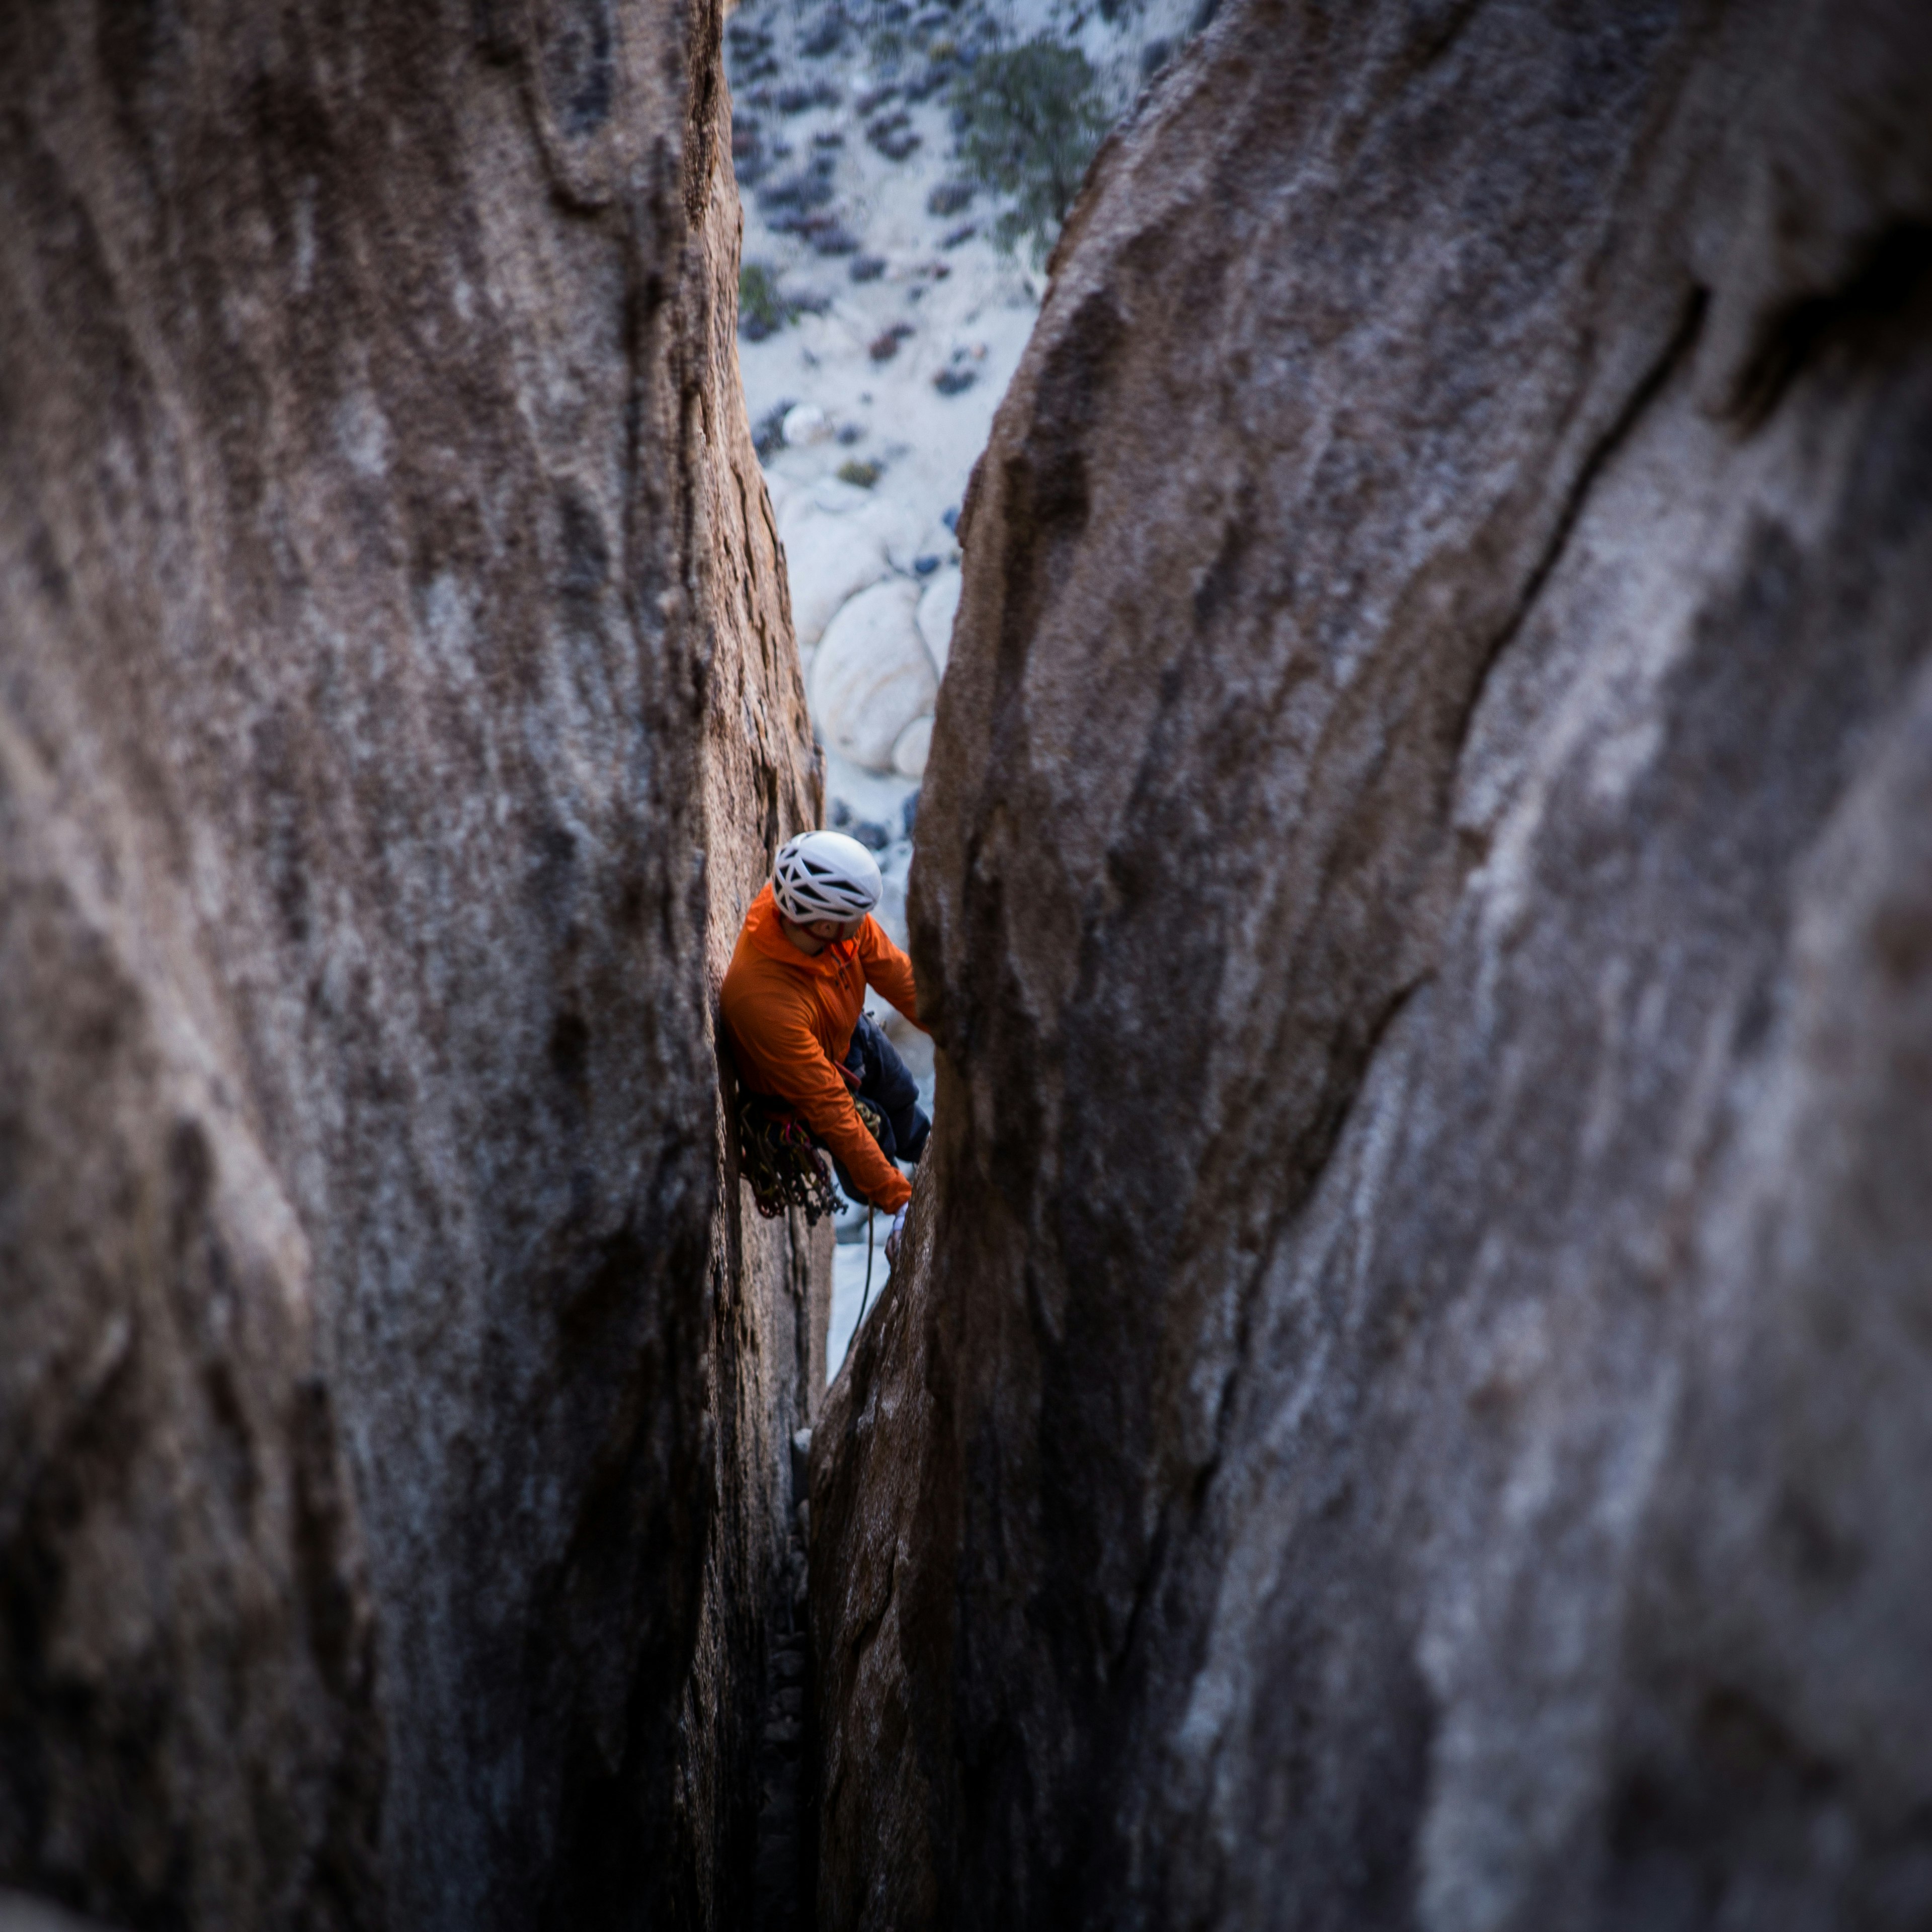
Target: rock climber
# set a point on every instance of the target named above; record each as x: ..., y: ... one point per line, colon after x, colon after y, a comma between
x: 794, y: 1002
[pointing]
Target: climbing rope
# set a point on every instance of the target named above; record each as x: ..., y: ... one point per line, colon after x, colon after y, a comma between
x: 868, y: 1295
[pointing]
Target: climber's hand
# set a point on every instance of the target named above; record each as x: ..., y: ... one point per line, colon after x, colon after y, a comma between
x: 893, y: 1239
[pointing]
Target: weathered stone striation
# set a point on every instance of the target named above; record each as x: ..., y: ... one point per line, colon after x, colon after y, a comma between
x: 1412, y: 1405
x: 392, y: 628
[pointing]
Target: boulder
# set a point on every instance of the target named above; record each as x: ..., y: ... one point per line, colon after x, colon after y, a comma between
x: 1408, y: 1400
x: 871, y: 677
x: 396, y: 709
x: 830, y: 557
x: 805, y: 424
x: 912, y: 748
x: 937, y: 608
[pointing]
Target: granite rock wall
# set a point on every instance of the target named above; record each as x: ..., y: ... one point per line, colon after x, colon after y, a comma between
x: 1408, y: 1404
x: 396, y: 698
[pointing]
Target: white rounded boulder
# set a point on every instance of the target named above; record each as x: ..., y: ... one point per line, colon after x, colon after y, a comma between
x: 829, y: 556
x: 937, y: 610
x: 805, y: 423
x: 873, y: 676
x: 913, y: 748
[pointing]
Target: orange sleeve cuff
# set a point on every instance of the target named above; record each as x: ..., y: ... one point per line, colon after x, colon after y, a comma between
x: 876, y: 1177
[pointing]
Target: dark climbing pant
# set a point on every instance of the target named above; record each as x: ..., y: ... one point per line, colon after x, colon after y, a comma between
x: 884, y: 1081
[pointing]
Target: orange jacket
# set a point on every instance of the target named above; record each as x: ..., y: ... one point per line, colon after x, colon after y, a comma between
x: 789, y: 1019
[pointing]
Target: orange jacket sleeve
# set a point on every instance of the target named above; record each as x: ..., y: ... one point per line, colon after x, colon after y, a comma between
x: 789, y: 1063
x: 888, y: 970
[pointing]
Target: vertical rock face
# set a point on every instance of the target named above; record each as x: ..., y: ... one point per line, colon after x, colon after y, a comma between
x: 1413, y: 1400
x: 391, y: 632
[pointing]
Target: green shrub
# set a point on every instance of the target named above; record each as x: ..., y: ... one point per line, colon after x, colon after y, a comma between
x: 768, y: 432
x: 852, y: 470
x: 762, y: 310
x: 1029, y: 120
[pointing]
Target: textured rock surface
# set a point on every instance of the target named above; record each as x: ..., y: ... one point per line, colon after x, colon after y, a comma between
x: 20, y: 1913
x: 390, y: 627
x: 1412, y: 1402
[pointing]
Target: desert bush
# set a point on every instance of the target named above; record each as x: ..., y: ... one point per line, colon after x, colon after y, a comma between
x: 1028, y: 121
x: 762, y: 310
x: 768, y: 432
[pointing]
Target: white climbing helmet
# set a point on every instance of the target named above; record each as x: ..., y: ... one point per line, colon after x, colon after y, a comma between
x: 825, y: 875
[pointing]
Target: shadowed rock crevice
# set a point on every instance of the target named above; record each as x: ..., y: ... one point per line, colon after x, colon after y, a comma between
x: 1428, y: 727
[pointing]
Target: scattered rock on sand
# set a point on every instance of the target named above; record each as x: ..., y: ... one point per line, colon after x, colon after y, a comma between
x: 805, y: 424
x: 869, y: 191
x: 872, y: 676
